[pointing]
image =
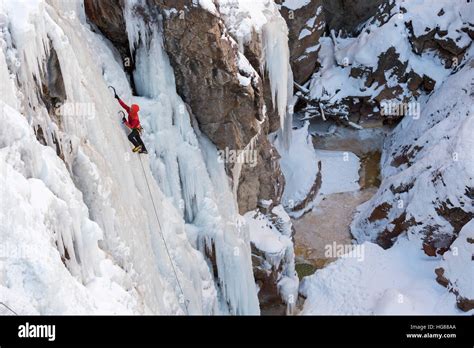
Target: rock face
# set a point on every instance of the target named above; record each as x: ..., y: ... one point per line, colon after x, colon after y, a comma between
x: 211, y: 76
x: 308, y: 21
x: 108, y: 17
x: 455, y: 272
x: 389, y: 72
x: 53, y: 96
x: 274, y: 268
x: 267, y: 280
x: 265, y: 178
x: 208, y: 69
x: 348, y: 15
x: 437, y: 40
x: 205, y: 62
x: 306, y: 24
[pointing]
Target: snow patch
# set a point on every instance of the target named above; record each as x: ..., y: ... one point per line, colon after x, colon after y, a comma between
x: 399, y: 280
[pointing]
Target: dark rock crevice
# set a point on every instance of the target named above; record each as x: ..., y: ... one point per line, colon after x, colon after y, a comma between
x: 107, y: 17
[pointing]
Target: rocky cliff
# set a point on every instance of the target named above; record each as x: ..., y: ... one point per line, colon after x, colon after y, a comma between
x: 225, y: 91
x: 388, y: 73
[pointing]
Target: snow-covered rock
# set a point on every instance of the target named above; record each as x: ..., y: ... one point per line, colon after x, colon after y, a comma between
x: 274, y: 258
x: 423, y: 208
x: 403, y: 52
x: 427, y: 172
x: 456, y: 271
x: 400, y: 281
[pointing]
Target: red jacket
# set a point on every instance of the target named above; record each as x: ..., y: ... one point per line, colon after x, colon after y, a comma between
x: 133, y: 120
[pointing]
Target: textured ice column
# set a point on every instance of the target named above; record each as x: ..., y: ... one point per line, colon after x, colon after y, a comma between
x: 277, y: 64
x: 196, y: 181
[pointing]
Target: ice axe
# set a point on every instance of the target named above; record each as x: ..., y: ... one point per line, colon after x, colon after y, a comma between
x: 115, y: 92
x: 122, y: 114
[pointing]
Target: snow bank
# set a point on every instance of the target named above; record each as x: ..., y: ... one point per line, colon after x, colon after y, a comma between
x: 295, y: 4
x: 400, y: 280
x: 339, y: 171
x: 457, y: 262
x: 299, y: 165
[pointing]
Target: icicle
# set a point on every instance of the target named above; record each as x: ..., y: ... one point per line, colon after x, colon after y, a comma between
x: 276, y: 63
x: 240, y: 160
x: 136, y: 28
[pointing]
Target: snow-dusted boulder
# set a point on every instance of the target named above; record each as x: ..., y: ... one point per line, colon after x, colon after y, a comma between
x: 427, y: 172
x: 456, y: 271
x: 403, y: 52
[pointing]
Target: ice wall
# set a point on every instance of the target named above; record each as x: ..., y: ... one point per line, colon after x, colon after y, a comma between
x: 101, y: 242
x: 97, y: 218
x: 187, y: 169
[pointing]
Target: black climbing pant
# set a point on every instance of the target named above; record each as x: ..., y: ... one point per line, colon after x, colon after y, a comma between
x: 135, y: 138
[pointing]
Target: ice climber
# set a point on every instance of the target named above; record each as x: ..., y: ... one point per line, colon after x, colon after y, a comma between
x: 133, y: 123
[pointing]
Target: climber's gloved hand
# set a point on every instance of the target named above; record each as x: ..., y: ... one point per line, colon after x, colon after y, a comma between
x: 116, y: 96
x: 124, y: 120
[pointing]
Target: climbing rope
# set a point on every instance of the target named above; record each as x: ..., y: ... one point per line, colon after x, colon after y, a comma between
x: 8, y: 308
x: 159, y: 224
x: 163, y: 238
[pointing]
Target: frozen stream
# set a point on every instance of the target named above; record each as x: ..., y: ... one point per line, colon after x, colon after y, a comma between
x: 346, y: 156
